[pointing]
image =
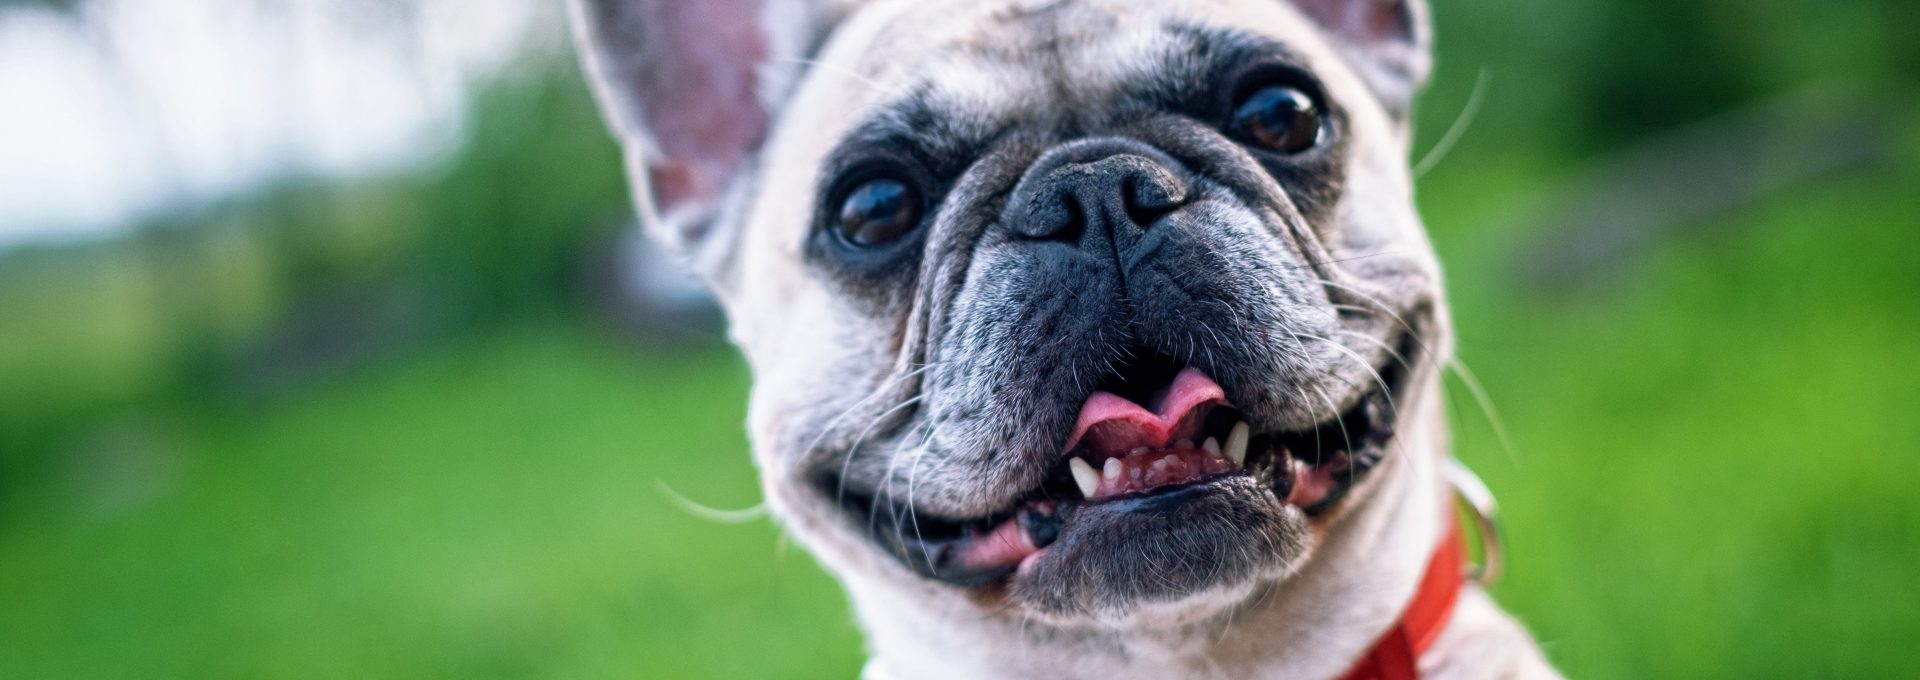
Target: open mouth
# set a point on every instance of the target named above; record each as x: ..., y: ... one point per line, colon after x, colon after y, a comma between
x: 1159, y: 435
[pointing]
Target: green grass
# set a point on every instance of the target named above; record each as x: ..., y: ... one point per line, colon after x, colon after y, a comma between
x: 1713, y: 475
x: 489, y: 511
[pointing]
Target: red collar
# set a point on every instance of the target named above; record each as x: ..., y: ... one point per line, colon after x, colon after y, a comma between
x: 1396, y: 655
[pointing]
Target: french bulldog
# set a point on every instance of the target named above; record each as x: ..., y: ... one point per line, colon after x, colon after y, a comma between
x: 1089, y: 338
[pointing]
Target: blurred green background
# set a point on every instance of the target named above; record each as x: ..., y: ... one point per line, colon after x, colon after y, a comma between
x: 420, y: 422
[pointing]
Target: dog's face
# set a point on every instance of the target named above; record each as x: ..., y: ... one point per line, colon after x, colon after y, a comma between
x: 1075, y: 310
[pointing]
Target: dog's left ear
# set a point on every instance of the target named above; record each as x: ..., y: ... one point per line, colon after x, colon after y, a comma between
x: 690, y: 88
x: 1390, y: 41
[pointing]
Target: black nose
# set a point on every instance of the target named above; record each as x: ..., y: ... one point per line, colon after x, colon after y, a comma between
x: 1099, y: 189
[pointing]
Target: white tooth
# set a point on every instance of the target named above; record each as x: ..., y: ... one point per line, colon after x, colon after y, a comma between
x: 1237, y: 444
x: 1138, y: 450
x: 1112, y: 469
x: 1212, y: 446
x: 1084, y: 476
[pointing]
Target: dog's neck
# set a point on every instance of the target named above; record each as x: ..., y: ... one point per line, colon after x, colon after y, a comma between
x: 1311, y: 625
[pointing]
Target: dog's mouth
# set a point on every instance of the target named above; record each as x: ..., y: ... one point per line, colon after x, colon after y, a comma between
x: 1158, y: 436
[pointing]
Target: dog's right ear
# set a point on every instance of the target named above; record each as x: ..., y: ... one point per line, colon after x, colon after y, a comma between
x: 1391, y: 41
x: 689, y: 88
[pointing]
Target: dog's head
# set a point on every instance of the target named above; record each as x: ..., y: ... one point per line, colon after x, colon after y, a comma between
x: 1075, y: 309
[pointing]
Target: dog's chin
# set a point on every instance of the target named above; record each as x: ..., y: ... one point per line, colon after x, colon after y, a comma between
x: 1174, y: 555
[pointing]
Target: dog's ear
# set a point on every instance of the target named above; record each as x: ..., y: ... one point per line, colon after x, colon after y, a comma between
x: 1391, y: 41
x: 689, y: 87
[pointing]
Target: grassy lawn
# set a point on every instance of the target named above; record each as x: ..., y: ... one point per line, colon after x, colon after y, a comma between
x: 488, y: 511
x: 1713, y: 467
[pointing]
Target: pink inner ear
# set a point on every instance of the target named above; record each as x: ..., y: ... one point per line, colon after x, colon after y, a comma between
x: 702, y: 102
x: 1367, y: 21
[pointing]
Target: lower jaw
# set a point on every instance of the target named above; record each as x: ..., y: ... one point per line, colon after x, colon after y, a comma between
x: 1116, y: 555
x: 1067, y: 555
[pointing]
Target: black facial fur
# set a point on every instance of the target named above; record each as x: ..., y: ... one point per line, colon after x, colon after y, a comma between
x: 1201, y: 79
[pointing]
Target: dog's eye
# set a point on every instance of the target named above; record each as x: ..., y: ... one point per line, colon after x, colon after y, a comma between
x: 1279, y: 118
x: 878, y: 212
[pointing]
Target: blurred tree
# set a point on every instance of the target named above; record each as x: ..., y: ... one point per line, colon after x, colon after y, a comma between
x: 309, y: 277
x: 61, y: 5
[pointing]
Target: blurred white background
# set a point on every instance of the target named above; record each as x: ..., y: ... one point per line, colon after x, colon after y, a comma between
x: 111, y: 110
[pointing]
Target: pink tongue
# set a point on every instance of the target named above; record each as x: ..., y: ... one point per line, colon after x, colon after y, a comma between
x: 1112, y: 425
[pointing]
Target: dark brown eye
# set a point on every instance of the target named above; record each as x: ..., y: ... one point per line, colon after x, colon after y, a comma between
x: 878, y: 212
x: 1279, y: 118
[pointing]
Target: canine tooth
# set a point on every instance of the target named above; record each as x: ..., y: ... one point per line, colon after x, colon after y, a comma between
x: 1084, y: 476
x: 1112, y: 469
x: 1212, y: 446
x: 1237, y: 444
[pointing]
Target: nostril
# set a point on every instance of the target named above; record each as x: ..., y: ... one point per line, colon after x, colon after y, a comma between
x: 1149, y: 198
x: 1075, y: 217
x: 1057, y: 218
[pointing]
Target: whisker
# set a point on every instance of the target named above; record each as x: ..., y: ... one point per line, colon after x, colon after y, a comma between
x: 1384, y: 308
x: 887, y: 477
x: 1481, y: 397
x: 710, y: 513
x: 846, y: 461
x: 913, y: 511
x: 1317, y: 444
x: 1321, y: 263
x: 1371, y: 371
x: 1382, y: 344
x: 1453, y: 402
x: 842, y: 70
x: 1458, y: 129
x: 1344, y: 436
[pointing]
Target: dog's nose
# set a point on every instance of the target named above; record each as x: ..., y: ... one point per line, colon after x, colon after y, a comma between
x: 1111, y: 187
